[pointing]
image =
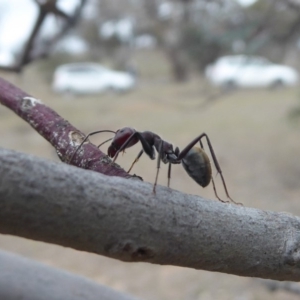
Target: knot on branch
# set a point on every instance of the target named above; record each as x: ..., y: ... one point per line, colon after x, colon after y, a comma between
x: 29, y: 102
x: 130, y: 251
x: 292, y: 248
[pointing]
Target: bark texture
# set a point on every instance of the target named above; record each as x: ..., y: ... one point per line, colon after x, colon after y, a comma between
x: 123, y: 219
x: 22, y: 278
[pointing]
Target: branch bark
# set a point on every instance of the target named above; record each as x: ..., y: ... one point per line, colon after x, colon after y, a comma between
x: 123, y: 219
x: 22, y: 278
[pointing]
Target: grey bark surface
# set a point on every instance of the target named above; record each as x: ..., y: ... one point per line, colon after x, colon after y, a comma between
x: 123, y: 219
x: 25, y: 279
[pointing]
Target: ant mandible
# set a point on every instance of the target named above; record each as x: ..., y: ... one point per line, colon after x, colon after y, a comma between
x: 194, y: 160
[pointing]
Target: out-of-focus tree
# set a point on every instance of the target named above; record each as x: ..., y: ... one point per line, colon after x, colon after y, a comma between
x: 273, y: 29
x: 38, y: 46
x: 191, y: 33
x: 111, y: 33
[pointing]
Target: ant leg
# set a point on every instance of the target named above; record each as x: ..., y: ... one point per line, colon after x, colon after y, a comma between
x: 213, y: 183
x: 169, y: 174
x: 158, y: 165
x: 136, y: 160
x: 216, y: 163
x: 185, y: 151
x: 201, y: 145
x: 215, y: 190
x: 84, y: 140
x: 219, y: 169
x: 124, y: 146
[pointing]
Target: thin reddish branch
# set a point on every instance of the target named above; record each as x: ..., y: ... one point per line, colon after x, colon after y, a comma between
x: 64, y: 137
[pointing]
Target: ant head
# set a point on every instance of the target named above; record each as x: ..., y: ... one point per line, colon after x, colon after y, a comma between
x: 122, y: 135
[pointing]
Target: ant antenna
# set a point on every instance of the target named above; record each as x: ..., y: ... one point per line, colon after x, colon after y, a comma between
x: 104, y: 142
x: 84, y: 140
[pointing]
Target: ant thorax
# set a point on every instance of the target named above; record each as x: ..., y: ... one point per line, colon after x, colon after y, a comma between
x: 167, y: 153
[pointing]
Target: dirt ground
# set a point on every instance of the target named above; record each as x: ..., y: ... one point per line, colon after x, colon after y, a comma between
x: 255, y: 140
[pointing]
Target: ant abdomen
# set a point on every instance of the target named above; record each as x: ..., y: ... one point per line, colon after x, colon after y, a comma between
x: 197, y: 165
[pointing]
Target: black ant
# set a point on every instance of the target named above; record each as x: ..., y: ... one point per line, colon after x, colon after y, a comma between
x: 194, y: 160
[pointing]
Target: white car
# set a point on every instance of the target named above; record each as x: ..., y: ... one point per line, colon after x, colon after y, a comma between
x: 250, y: 71
x: 87, y: 78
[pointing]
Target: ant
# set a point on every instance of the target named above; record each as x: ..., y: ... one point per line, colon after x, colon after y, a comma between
x: 193, y: 159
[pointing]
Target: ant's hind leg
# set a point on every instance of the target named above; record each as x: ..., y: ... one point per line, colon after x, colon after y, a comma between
x: 158, y: 166
x: 215, y: 190
x: 169, y: 174
x: 185, y: 151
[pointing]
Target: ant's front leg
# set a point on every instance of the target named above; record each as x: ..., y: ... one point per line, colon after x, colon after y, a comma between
x: 122, y: 147
x: 104, y: 142
x: 136, y: 160
x: 85, y: 139
x: 169, y: 174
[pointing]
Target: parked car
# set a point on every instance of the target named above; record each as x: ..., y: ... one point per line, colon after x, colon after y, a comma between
x: 86, y: 78
x: 250, y: 71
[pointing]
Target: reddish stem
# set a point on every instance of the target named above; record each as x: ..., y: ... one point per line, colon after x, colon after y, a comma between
x: 60, y: 133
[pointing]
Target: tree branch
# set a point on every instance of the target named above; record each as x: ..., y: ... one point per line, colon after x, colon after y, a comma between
x: 60, y: 133
x: 22, y: 278
x: 123, y: 219
x: 274, y: 286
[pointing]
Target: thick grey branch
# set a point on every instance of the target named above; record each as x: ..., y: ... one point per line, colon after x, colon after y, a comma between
x: 274, y: 286
x: 22, y: 278
x: 122, y: 219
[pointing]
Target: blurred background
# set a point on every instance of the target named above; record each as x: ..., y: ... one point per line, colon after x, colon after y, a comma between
x: 178, y: 68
